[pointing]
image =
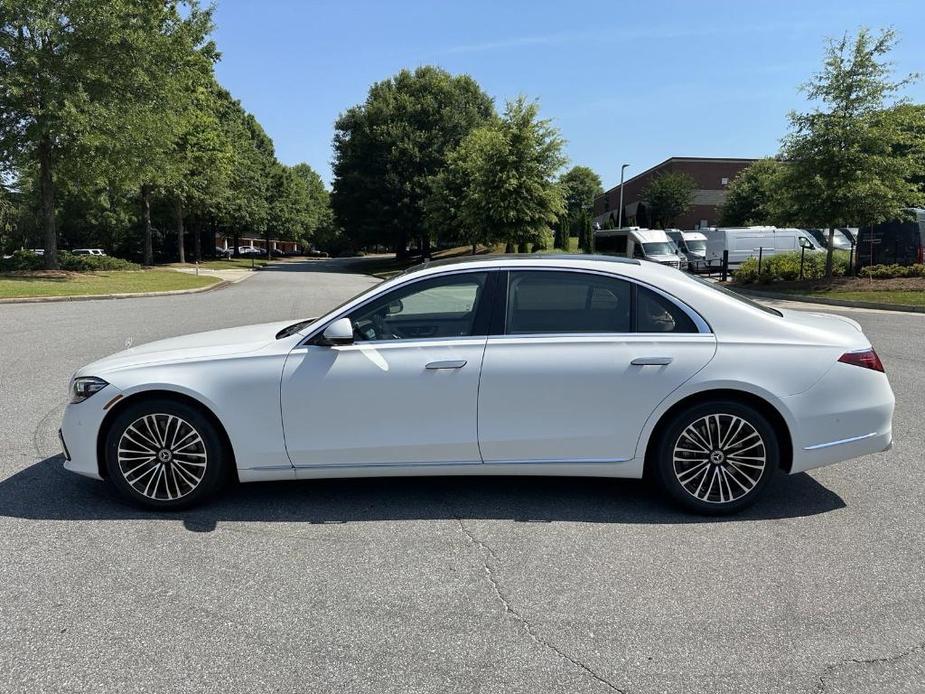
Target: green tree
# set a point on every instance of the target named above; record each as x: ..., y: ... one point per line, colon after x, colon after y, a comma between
x: 70, y: 70
x: 202, y: 159
x: 499, y: 184
x: 387, y: 150
x: 755, y: 195
x: 668, y: 196
x: 843, y: 167
x: 580, y: 185
x: 909, y: 120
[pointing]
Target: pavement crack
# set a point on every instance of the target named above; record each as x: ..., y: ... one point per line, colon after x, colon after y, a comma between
x: 820, y: 684
x: 491, y: 574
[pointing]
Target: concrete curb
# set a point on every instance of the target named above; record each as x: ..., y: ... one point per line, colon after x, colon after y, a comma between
x: 803, y: 298
x: 131, y: 295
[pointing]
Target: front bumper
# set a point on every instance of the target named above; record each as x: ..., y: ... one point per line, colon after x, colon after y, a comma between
x: 80, y: 429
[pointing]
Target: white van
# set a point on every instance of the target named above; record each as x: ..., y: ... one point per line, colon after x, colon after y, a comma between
x: 693, y: 245
x: 633, y: 242
x: 745, y: 242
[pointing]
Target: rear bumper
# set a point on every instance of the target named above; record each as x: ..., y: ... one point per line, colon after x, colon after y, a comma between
x: 848, y: 414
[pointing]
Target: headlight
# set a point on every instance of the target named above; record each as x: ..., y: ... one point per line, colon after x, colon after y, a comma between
x: 85, y: 386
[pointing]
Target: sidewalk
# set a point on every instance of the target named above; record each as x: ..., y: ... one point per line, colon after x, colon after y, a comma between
x: 232, y: 276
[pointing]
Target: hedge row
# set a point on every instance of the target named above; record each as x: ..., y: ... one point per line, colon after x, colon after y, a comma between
x: 27, y: 260
x: 888, y: 272
x: 786, y: 267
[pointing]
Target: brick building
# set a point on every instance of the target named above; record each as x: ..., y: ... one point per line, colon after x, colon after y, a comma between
x: 711, y: 174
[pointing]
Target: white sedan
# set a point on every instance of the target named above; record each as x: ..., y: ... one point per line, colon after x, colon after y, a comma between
x: 551, y: 365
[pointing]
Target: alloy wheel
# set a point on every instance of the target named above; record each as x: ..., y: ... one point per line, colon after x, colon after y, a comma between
x: 162, y: 456
x: 719, y: 458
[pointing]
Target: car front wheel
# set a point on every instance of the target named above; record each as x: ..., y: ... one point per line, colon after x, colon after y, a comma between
x: 164, y: 454
x: 717, y: 457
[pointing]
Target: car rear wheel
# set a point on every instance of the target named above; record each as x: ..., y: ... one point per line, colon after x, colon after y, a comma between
x: 717, y: 457
x: 164, y: 454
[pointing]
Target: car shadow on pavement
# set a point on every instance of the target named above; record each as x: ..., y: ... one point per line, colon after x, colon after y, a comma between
x: 45, y: 491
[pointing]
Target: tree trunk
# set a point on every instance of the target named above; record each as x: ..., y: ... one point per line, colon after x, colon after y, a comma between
x: 146, y: 217
x: 269, y: 251
x: 829, y: 253
x: 47, y: 193
x: 236, y: 239
x: 425, y: 247
x: 509, y: 247
x: 181, y: 235
x: 474, y: 248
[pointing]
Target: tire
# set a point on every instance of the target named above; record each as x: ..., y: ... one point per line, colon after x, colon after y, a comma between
x: 165, y: 455
x: 716, y: 458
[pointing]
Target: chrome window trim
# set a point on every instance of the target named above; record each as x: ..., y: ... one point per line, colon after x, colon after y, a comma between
x: 702, y: 326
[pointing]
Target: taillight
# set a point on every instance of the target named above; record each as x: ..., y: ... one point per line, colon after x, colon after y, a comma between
x: 866, y: 358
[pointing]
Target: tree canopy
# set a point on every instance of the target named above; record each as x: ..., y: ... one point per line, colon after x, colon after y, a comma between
x: 110, y: 113
x: 843, y: 168
x: 755, y: 195
x: 387, y: 149
x: 499, y: 184
x: 668, y: 196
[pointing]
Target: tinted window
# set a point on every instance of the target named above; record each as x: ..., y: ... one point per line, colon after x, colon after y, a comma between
x: 567, y: 302
x: 439, y: 307
x: 656, y: 314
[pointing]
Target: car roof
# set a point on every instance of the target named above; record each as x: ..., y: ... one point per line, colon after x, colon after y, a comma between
x: 508, y: 259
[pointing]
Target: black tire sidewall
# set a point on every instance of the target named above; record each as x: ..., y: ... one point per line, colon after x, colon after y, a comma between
x: 664, y: 465
x: 215, y: 474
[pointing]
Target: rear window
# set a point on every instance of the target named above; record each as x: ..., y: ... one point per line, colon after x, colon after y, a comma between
x: 738, y: 297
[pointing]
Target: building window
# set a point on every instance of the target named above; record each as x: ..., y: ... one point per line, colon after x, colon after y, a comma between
x: 606, y: 203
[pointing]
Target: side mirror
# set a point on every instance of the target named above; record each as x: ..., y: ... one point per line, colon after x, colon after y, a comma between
x: 395, y: 306
x: 806, y: 243
x: 340, y: 332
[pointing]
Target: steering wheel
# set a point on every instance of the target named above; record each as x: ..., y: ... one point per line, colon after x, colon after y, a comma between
x: 373, y: 328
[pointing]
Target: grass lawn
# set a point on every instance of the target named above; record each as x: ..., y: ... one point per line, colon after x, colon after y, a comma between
x: 908, y: 291
x: 225, y: 264
x: 20, y: 285
x: 906, y: 298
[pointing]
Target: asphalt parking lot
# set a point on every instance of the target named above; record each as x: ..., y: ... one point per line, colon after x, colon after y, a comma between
x: 449, y: 585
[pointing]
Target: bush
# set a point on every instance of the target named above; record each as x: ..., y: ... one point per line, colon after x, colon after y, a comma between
x: 93, y: 263
x: 785, y: 267
x: 29, y: 261
x: 21, y: 260
x: 887, y: 272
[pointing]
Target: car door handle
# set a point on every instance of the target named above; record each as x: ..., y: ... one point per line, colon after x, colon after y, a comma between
x: 651, y: 361
x: 453, y: 364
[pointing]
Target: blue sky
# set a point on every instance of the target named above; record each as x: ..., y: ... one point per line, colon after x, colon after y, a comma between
x: 624, y: 81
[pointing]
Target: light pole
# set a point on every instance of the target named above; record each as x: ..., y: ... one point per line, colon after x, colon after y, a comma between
x: 620, y: 213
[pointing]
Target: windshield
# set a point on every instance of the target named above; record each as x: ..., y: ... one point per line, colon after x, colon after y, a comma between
x: 658, y: 248
x: 735, y: 295
x: 696, y: 246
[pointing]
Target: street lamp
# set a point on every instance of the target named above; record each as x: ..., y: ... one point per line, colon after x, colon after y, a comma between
x: 620, y: 213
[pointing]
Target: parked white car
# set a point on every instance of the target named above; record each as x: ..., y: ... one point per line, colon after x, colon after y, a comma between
x: 537, y: 365
x: 88, y: 251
